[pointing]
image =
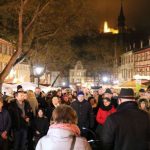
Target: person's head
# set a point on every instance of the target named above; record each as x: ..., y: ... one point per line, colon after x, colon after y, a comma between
x: 108, y: 93
x: 141, y: 92
x: 1, y: 103
x: 64, y: 114
x: 31, y: 94
x: 37, y: 91
x: 100, y: 91
x: 66, y: 98
x: 95, y: 93
x: 106, y: 101
x: 126, y: 94
x: 19, y: 88
x: 59, y: 93
x: 74, y: 93
x: 25, y: 95
x: 40, y: 112
x: 92, y: 101
x: 55, y: 101
x: 143, y: 104
x: 148, y: 89
x: 112, y: 89
x: 80, y: 96
x: 19, y: 96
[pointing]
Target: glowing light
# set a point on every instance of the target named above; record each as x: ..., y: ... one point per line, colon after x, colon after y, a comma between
x: 39, y: 70
x: 115, y: 82
x: 109, y: 30
x: 106, y: 28
x: 105, y: 79
x: 63, y: 83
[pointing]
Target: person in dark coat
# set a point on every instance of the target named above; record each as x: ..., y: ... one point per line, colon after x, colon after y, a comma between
x: 20, y: 112
x: 129, y: 127
x: 41, y: 125
x: 40, y: 98
x: 100, y: 97
x: 106, y: 109
x: 5, y: 124
x: 84, y: 113
x: 93, y: 103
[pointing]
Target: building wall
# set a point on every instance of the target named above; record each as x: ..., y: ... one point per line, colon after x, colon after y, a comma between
x: 6, y: 50
x: 142, y: 62
x: 78, y: 74
x: 21, y: 72
x: 45, y: 78
x: 133, y: 64
x: 126, y: 69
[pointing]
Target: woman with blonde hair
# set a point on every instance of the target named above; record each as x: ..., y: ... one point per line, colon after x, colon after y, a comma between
x: 32, y: 101
x: 63, y: 133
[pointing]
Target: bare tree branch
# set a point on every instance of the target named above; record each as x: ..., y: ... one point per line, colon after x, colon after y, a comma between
x: 38, y: 12
x: 25, y: 2
x: 48, y: 34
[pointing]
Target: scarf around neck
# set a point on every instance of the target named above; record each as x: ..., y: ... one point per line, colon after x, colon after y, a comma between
x: 71, y: 127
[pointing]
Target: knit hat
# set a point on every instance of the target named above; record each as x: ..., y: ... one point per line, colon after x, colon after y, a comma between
x: 80, y: 93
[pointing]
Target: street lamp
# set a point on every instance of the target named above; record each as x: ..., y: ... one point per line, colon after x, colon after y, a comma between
x: 63, y: 84
x: 38, y: 71
x: 105, y: 79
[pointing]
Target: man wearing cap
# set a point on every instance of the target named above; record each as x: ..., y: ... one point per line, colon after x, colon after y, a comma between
x: 108, y: 94
x: 129, y: 127
x: 84, y: 112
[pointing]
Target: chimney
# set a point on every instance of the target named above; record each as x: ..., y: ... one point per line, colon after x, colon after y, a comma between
x: 141, y: 44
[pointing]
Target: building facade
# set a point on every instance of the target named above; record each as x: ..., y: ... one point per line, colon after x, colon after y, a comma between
x: 142, y: 63
x: 21, y: 72
x: 134, y: 65
x: 6, y: 51
x: 127, y: 66
x: 78, y: 74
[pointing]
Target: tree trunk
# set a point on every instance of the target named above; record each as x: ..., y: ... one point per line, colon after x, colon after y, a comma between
x: 11, y: 62
x: 1, y: 83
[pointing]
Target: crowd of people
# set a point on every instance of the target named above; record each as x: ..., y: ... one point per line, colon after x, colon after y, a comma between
x: 58, y: 119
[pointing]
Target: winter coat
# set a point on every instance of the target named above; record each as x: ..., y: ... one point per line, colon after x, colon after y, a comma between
x: 84, y: 112
x: 103, y: 114
x: 5, y: 121
x: 18, y: 122
x: 41, y: 125
x: 41, y: 101
x: 61, y: 139
x: 127, y: 129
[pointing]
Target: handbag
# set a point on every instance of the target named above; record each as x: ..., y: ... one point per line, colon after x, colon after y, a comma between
x: 73, y: 142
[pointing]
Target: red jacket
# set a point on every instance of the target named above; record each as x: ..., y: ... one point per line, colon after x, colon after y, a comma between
x: 103, y: 114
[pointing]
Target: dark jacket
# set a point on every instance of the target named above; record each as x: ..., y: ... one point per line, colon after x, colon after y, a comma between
x: 18, y: 121
x: 127, y: 129
x: 41, y: 101
x: 41, y: 125
x: 5, y: 121
x: 84, y: 113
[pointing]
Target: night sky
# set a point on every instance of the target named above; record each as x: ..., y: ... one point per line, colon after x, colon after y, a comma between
x: 137, y: 12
